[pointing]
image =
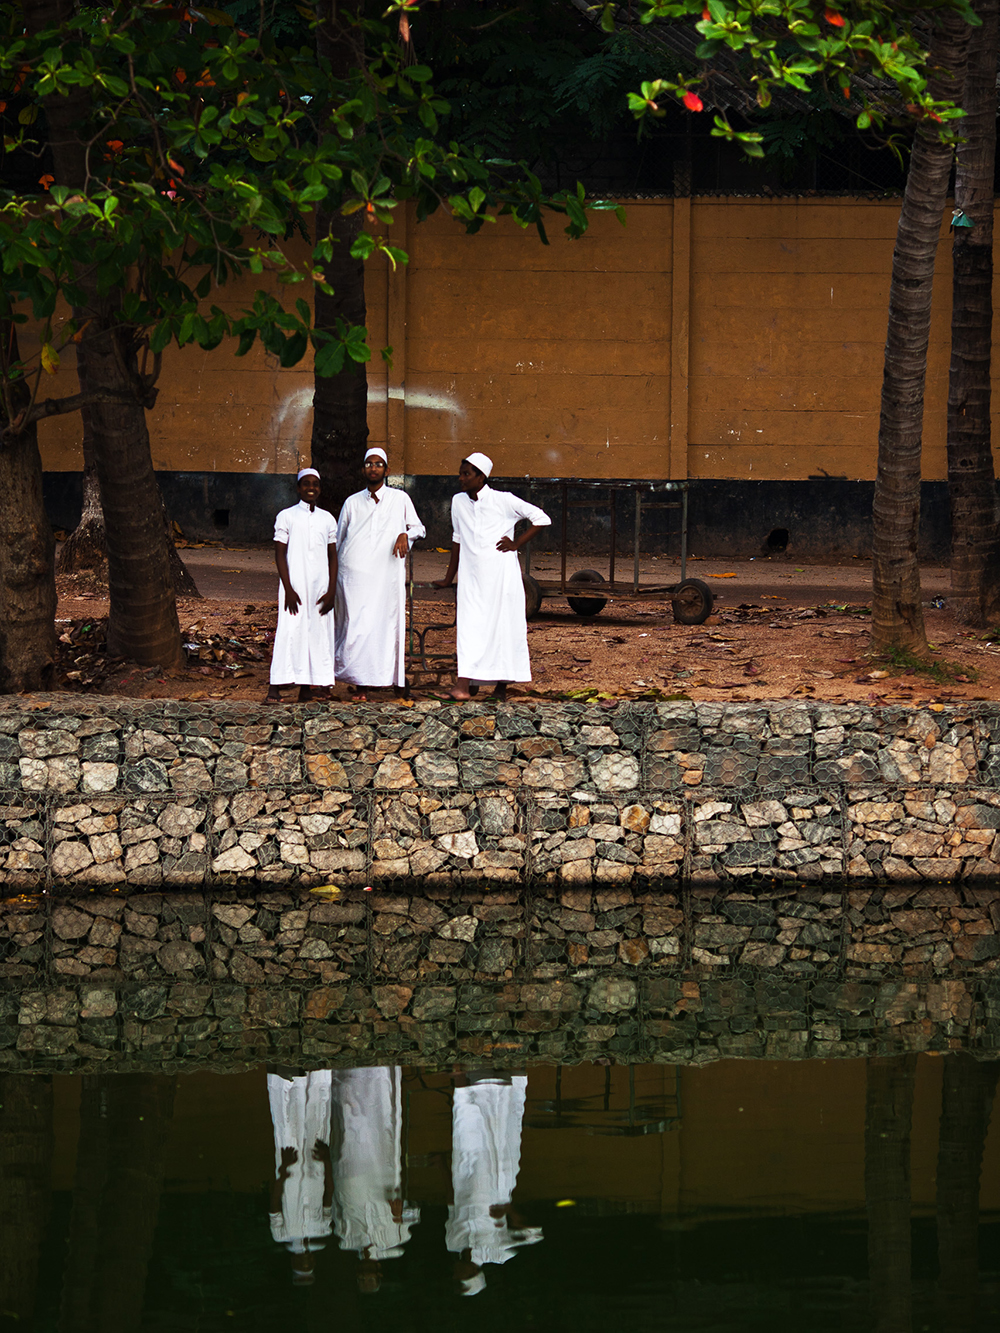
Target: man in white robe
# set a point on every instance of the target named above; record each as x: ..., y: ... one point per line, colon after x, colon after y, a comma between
x: 491, y: 629
x: 305, y: 551
x: 302, y: 1190
x: 370, y: 1215
x: 482, y: 1227
x: 377, y: 527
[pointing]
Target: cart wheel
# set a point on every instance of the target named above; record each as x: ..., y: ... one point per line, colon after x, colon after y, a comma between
x: 587, y: 606
x: 532, y: 596
x: 692, y: 602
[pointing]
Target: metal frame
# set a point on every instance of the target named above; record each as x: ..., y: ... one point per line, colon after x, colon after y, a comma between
x: 613, y: 587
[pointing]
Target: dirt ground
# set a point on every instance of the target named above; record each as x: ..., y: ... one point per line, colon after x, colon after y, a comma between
x: 780, y: 630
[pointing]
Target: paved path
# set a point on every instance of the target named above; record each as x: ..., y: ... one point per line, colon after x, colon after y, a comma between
x: 248, y: 572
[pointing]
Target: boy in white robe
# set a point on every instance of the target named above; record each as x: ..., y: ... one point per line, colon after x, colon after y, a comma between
x: 377, y: 527
x: 370, y: 1215
x: 305, y: 551
x: 491, y: 629
x: 302, y: 1190
x: 482, y: 1227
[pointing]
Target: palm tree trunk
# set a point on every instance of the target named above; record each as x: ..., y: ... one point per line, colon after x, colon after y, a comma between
x: 967, y: 1093
x: 27, y: 554
x: 888, y: 1113
x: 897, y: 614
x: 142, y: 623
x: 340, y: 402
x: 975, y: 540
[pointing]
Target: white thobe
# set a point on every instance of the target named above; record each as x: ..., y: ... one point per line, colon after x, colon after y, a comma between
x: 367, y: 1163
x: 485, y: 1156
x: 304, y: 643
x: 371, y: 586
x: 300, y: 1112
x: 491, y: 629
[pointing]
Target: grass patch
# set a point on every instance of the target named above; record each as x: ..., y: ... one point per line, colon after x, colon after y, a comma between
x: 941, y: 671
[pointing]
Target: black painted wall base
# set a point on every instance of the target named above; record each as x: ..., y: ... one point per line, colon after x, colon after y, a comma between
x: 827, y: 517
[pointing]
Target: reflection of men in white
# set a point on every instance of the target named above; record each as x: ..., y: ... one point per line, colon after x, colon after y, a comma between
x: 377, y: 527
x: 302, y: 1191
x: 370, y: 1215
x: 483, y: 1227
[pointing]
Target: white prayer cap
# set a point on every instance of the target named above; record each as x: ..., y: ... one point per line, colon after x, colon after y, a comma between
x: 377, y: 453
x: 480, y: 461
x: 472, y: 1286
x: 307, y: 472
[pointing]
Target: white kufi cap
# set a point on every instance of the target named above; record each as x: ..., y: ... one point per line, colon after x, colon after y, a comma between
x: 480, y: 461
x: 307, y: 472
x: 377, y: 453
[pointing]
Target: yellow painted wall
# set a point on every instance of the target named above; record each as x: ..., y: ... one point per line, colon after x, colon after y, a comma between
x: 722, y: 338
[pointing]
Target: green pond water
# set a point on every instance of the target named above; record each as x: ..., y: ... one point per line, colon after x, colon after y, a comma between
x: 736, y: 1196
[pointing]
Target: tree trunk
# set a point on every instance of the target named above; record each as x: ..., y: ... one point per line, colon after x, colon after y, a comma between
x: 142, y: 622
x: 888, y: 1113
x: 975, y: 540
x: 87, y: 545
x: 897, y: 614
x: 967, y: 1093
x: 27, y: 556
x: 25, y: 1187
x: 340, y: 402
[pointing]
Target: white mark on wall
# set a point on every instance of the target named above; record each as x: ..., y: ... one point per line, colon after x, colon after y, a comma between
x: 293, y: 420
x: 417, y: 399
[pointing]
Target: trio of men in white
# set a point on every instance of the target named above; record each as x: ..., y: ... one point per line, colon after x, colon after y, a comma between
x: 355, y: 567
x: 338, y: 1156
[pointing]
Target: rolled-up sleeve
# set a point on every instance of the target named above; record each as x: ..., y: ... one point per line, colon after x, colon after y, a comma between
x: 522, y: 509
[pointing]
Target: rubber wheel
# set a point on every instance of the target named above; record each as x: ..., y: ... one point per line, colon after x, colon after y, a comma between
x: 532, y: 596
x: 692, y: 602
x: 587, y: 606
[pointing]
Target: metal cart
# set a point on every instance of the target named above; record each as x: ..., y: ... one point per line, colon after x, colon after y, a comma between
x: 691, y: 600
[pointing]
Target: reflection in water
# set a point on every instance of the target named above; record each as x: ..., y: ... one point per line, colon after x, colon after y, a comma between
x: 124, y: 1122
x: 483, y: 1227
x: 888, y: 1115
x: 967, y: 1093
x: 302, y: 1191
x: 136, y: 1203
x: 25, y: 1175
x: 372, y: 1217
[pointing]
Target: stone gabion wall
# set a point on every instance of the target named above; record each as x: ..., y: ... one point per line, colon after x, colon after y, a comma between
x: 149, y: 795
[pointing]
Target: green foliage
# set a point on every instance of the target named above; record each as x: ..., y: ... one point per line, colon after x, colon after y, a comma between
x: 803, y: 46
x: 206, y: 146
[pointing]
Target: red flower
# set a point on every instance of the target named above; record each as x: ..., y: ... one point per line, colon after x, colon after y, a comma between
x: 834, y: 18
x: 706, y: 15
x: 693, y: 102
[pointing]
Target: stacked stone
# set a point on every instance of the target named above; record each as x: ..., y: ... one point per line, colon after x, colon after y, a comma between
x: 606, y: 927
x: 277, y: 837
x: 184, y: 1025
x: 463, y: 934
x: 794, y: 928
x: 160, y: 794
x: 922, y: 930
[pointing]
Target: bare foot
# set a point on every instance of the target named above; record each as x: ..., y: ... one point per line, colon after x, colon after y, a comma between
x: 272, y: 697
x: 462, y: 696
